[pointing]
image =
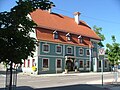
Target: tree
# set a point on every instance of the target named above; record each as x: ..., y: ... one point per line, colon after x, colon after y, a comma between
x: 113, y: 51
x: 15, y: 28
x: 98, y: 31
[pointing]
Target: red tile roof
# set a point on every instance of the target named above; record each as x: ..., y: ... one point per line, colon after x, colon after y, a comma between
x: 62, y: 23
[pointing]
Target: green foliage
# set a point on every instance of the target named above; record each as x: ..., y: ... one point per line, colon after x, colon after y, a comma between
x: 98, y: 31
x: 15, y: 28
x: 113, y: 51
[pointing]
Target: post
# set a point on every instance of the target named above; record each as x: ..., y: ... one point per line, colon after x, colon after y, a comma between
x: 102, y: 71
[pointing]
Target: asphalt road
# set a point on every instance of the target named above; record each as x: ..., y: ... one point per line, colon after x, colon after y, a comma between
x: 70, y: 82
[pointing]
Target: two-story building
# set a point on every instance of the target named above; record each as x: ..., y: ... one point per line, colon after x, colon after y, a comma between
x: 62, y: 41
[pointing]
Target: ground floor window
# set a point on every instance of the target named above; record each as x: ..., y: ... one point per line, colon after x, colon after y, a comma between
x: 99, y: 64
x: 59, y: 63
x: 87, y: 64
x: 105, y: 64
x: 45, y: 63
x: 81, y: 64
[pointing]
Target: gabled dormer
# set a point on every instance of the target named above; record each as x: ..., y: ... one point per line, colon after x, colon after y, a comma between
x: 55, y: 35
x: 68, y: 36
x: 80, y: 39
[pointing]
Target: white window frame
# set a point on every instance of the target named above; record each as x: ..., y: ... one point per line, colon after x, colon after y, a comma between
x: 45, y: 69
x: 48, y: 48
x: 56, y: 49
x: 88, y: 68
x: 59, y: 69
x: 71, y: 50
x: 86, y: 52
x: 81, y: 68
x: 79, y: 52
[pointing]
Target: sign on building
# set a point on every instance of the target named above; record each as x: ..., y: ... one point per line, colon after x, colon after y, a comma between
x: 101, y: 51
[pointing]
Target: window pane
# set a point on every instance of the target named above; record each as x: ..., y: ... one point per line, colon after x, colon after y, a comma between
x: 99, y: 63
x: 46, y: 48
x: 28, y: 63
x: 87, y: 64
x: 58, y: 63
x: 81, y: 64
x: 58, y: 48
x: 69, y: 50
x: 88, y: 53
x: 45, y: 63
x: 81, y: 51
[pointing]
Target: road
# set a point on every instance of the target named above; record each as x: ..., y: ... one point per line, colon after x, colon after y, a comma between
x: 66, y: 81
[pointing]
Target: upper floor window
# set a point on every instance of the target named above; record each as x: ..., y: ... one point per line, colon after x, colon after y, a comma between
x: 45, y: 47
x: 68, y: 36
x: 69, y: 50
x: 81, y: 51
x: 58, y: 49
x: 80, y: 39
x: 87, y: 52
x: 55, y: 35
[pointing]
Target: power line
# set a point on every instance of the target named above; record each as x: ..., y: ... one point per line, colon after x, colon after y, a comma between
x: 103, y: 20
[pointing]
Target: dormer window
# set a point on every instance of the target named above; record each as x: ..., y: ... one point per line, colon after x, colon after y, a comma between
x: 68, y: 36
x: 80, y: 39
x: 55, y: 35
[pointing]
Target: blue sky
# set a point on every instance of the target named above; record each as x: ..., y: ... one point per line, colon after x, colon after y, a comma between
x: 102, y: 13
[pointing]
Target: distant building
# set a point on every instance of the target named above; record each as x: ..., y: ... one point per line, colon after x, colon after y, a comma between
x: 62, y: 41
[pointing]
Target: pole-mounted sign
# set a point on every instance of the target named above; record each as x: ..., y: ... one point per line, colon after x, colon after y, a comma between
x: 101, y: 57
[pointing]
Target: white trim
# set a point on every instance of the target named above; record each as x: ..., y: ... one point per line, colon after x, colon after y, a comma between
x: 56, y: 49
x: 71, y: 49
x: 45, y: 69
x: 43, y: 48
x: 58, y: 69
x: 79, y: 51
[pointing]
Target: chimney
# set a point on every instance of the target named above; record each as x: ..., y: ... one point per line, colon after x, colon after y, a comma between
x: 50, y: 9
x: 76, y: 17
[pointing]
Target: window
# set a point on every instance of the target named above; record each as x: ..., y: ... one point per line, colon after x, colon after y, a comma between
x: 68, y: 36
x: 81, y: 51
x: 24, y: 63
x: 33, y: 62
x: 28, y: 63
x: 87, y: 64
x: 69, y: 50
x: 45, y: 63
x: 105, y: 64
x: 45, y: 47
x: 59, y: 63
x: 58, y: 49
x: 87, y: 52
x: 81, y: 64
x: 80, y: 39
x: 99, y: 64
x: 55, y: 34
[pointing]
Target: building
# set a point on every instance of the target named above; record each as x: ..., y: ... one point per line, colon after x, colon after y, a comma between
x: 62, y: 41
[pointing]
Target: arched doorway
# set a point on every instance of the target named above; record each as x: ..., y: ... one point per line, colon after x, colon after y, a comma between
x: 70, y: 64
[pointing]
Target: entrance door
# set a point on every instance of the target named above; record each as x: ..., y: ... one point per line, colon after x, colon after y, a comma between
x: 70, y: 65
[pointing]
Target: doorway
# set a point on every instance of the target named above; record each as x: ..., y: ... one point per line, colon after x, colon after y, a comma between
x: 70, y: 65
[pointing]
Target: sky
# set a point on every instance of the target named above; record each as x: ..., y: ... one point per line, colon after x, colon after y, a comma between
x: 102, y: 13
